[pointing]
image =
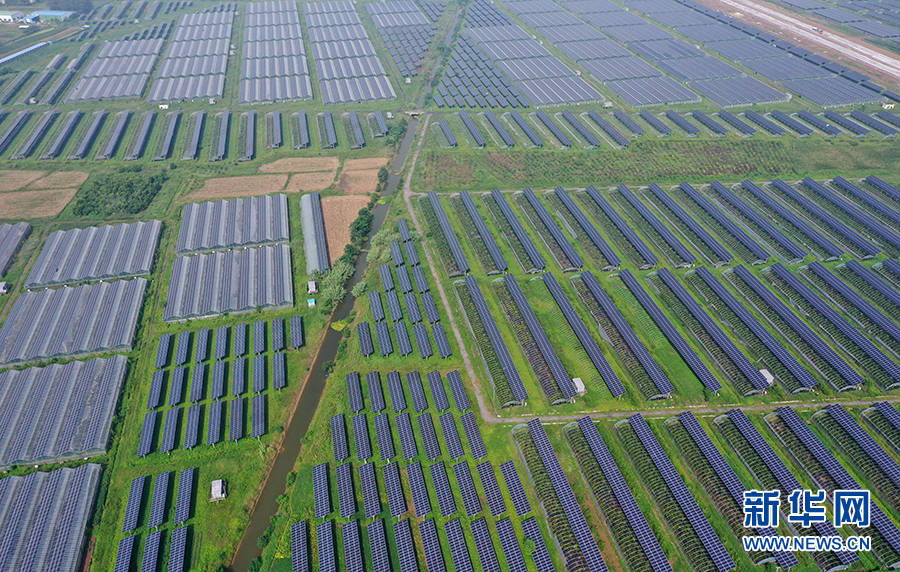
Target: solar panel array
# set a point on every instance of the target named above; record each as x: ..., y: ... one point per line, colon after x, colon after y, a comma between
x: 122, y: 250
x: 573, y: 513
x: 159, y: 502
x: 613, y: 383
x: 346, y: 494
x: 434, y: 557
x: 44, y: 528
x: 625, y: 499
x: 237, y: 222
x: 836, y: 471
x: 58, y: 412
x: 648, y: 257
x: 572, y: 257
x: 321, y: 493
x: 361, y: 437
x: 195, y: 63
x: 120, y: 69
x: 300, y: 546
x: 274, y: 66
x: 714, y: 548
x: 11, y: 238
x: 406, y: 551
x: 660, y: 380
x: 865, y: 442
x: 215, y: 283
x: 805, y: 379
x: 72, y: 320
x: 346, y: 63
x: 727, y: 475
x: 133, y: 505
x: 849, y: 377
x: 314, y: 243
x: 406, y: 32
x: 786, y: 480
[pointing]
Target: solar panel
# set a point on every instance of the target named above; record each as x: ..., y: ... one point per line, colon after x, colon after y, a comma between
x: 786, y: 479
x: 160, y: 499
x: 346, y: 494
x: 429, y: 437
x: 395, y: 388
x: 637, y: 347
x: 238, y: 376
x: 325, y: 542
x: 729, y: 225
x: 214, y: 427
x: 848, y: 375
x: 170, y: 430
x: 441, y: 484
x: 459, y: 552
x: 378, y: 548
x: 147, y: 433
x: 376, y: 396
x: 183, y: 345
x: 133, y: 507
x: 841, y: 476
x: 300, y: 547
x: 296, y: 332
x: 419, y: 490
x: 540, y: 555
x: 556, y: 233
x: 259, y: 373
x: 124, y: 554
x: 714, y: 548
x: 405, y: 284
x: 192, y: 427
x: 516, y: 490
x: 877, y: 284
x: 176, y: 385
x: 717, y: 249
x: 729, y: 478
x: 437, y: 391
x: 434, y: 557
x: 321, y: 493
x: 867, y: 199
x: 888, y: 366
x: 483, y: 232
x: 365, y: 339
x: 339, y: 438
x: 178, y: 549
x: 865, y: 220
x: 414, y: 381
x: 455, y: 249
x: 353, y: 560
x: 162, y: 351
x: 661, y: 229
x: 198, y: 377
x: 522, y: 236
x: 872, y: 449
x: 385, y: 439
x: 510, y: 545
x: 217, y: 387
x: 421, y: 335
x: 584, y: 336
x: 236, y: 426
x: 156, y: 389
x: 649, y: 258
x: 240, y: 339
x: 636, y: 520
x: 394, y: 306
x: 431, y: 311
x: 185, y: 495
x: 258, y: 420
x: 406, y: 551
x: 201, y: 349
x: 150, y: 558
x: 790, y: 363
x: 361, y: 437
x: 466, y: 486
x: 376, y: 306
x: 221, y: 347
x: 394, y: 488
x: 279, y: 374
x: 387, y: 280
x: 762, y: 222
x: 826, y: 218
x: 734, y: 354
x: 566, y: 496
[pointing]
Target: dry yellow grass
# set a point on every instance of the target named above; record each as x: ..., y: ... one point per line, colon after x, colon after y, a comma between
x: 339, y: 212
x: 36, y: 204
x: 310, y: 181
x: 247, y: 186
x: 369, y: 163
x: 11, y: 180
x: 301, y: 165
x: 60, y: 180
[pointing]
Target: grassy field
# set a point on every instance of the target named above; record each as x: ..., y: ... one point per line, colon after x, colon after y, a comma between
x: 650, y: 160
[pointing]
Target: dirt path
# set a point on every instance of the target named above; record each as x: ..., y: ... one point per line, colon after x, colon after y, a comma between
x: 791, y: 26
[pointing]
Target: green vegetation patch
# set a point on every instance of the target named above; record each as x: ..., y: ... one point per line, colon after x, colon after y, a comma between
x: 126, y: 192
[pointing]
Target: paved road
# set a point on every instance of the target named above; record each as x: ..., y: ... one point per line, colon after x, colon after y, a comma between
x: 846, y: 46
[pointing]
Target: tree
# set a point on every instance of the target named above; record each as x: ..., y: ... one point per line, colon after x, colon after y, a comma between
x: 359, y: 289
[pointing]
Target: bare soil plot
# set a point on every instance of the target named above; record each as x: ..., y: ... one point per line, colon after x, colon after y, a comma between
x: 60, y: 180
x: 317, y: 181
x: 36, y: 204
x: 12, y: 180
x: 339, y: 212
x: 246, y: 186
x: 360, y: 176
x: 301, y: 165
